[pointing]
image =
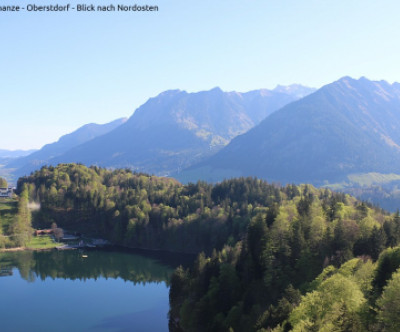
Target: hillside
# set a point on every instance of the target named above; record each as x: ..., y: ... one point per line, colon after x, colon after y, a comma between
x: 14, y: 153
x: 176, y: 128
x: 346, y: 127
x: 47, y: 153
x: 8, y: 156
x: 278, y: 254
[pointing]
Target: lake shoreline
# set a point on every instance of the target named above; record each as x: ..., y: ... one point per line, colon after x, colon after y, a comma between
x: 99, y: 288
x: 25, y: 249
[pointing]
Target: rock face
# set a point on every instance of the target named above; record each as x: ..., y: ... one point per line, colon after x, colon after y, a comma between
x: 176, y: 129
x: 346, y: 127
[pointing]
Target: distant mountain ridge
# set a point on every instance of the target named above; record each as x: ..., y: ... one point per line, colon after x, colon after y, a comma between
x: 346, y: 127
x: 15, y: 153
x: 50, y: 151
x: 175, y: 129
x: 297, y: 90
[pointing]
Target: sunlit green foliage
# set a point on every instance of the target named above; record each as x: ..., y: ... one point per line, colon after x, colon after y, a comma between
x: 3, y: 182
x: 146, y: 211
x: 278, y: 259
x: 337, y: 302
x: 15, y: 221
x: 265, y: 246
x: 22, y: 227
x: 389, y: 304
x: 42, y: 242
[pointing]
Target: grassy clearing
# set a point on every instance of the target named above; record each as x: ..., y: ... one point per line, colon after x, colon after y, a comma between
x: 364, y: 180
x: 369, y: 179
x: 8, y: 204
x: 42, y: 242
x: 8, y: 210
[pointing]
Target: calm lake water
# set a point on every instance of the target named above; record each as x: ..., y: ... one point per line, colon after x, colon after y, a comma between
x: 109, y: 290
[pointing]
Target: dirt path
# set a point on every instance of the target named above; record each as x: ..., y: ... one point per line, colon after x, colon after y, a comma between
x: 13, y: 249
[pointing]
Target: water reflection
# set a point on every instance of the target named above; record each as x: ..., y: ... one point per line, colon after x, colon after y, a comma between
x: 92, y: 290
x: 137, y: 266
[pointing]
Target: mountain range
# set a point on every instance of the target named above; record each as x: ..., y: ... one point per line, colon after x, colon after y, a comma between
x: 343, y: 135
x: 49, y: 152
x: 14, y: 153
x: 346, y: 127
x: 168, y: 133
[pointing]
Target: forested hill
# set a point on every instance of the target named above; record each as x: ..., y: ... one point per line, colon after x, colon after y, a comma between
x: 224, y: 293
x: 145, y: 211
x: 266, y: 244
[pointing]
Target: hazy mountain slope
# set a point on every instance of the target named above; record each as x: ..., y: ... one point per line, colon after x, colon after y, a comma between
x: 14, y: 153
x: 44, y: 156
x: 8, y: 156
x: 176, y: 129
x: 296, y: 90
x: 349, y: 126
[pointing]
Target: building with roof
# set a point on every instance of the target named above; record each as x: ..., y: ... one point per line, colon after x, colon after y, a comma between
x: 6, y: 192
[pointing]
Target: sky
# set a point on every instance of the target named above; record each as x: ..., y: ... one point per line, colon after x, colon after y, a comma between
x: 59, y: 71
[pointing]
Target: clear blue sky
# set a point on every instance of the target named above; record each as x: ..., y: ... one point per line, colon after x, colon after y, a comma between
x: 59, y: 71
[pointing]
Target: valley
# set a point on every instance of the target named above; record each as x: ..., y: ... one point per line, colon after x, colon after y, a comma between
x: 263, y: 248
x: 200, y: 166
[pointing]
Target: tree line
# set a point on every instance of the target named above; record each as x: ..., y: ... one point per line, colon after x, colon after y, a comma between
x: 16, y: 221
x: 270, y: 257
x: 313, y: 263
x: 139, y: 210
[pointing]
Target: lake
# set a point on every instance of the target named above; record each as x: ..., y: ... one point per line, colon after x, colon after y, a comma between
x: 86, y: 290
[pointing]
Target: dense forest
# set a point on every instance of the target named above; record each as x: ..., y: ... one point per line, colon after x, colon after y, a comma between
x: 314, y: 264
x: 138, y: 210
x: 226, y: 293
x: 270, y: 257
